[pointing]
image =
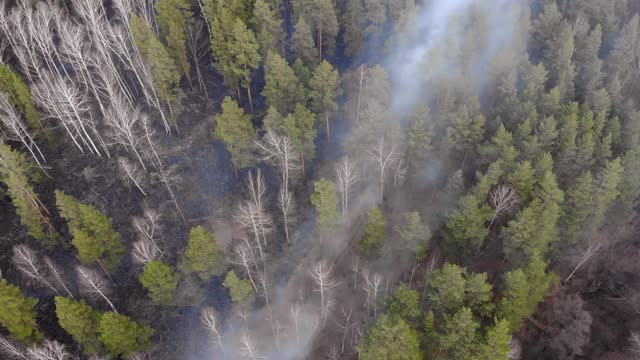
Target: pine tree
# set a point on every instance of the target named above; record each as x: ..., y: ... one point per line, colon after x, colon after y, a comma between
x: 458, y: 338
x: 497, y: 342
x: 578, y: 207
x: 92, y: 231
x: 18, y: 174
x: 166, y: 78
x: 391, y: 339
x: 244, y: 52
x: 173, y: 16
x: 478, y: 293
x: 522, y: 179
x: 466, y: 131
x: 281, y: 84
x: 325, y: 200
x: 321, y: 15
x: 519, y: 235
x: 268, y: 28
x: 405, y: 303
x: 324, y: 91
x: 302, y: 42
x: 630, y: 183
x: 235, y: 130
x: 17, y: 314
x: 121, y: 336
x: 589, y: 69
x: 465, y: 229
x: 298, y: 127
x: 414, y: 233
x: 419, y: 138
x: 513, y: 305
x: 352, y: 23
x: 80, y: 321
x: 240, y: 290
x: 203, y: 256
x: 607, y: 189
x: 161, y: 281
x: 559, y: 61
x: 445, y: 290
x: 373, y: 240
x: 20, y: 96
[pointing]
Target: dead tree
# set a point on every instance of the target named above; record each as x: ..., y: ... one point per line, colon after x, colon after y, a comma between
x: 58, y: 275
x: 148, y: 225
x: 244, y: 257
x: 345, y: 327
x: 383, y: 156
x: 346, y: 175
x: 26, y: 260
x: 198, y: 44
x: 634, y: 343
x: 63, y: 100
x: 504, y: 200
x: 49, y: 350
x: 355, y: 267
x: 295, y: 316
x: 93, y: 285
x: 323, y: 281
x: 373, y: 287
x: 144, y: 252
x: 124, y: 125
x: 10, y: 350
x: 208, y: 318
x: 400, y: 174
x: 280, y: 152
x: 587, y: 253
x: 248, y: 348
x: 132, y: 173
x: 16, y: 130
x: 257, y: 189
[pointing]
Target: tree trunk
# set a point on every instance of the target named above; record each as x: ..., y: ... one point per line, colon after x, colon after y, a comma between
x: 328, y: 133
x: 302, y: 162
x: 320, y: 43
x: 250, y: 98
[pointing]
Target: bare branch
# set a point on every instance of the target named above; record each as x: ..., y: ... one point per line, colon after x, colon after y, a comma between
x: 132, y: 173
x: 587, y: 253
x: 245, y: 258
x: 58, y: 275
x: 49, y: 350
x: 17, y: 129
x: 93, y: 285
x: 373, y: 287
x: 9, y: 349
x: 321, y: 274
x: 208, y: 318
x: 346, y: 175
x: 248, y: 348
x: 144, y: 252
x: 383, y: 156
x: 26, y: 260
x: 504, y: 199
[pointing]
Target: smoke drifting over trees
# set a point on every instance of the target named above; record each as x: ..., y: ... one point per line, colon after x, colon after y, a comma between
x: 315, y: 179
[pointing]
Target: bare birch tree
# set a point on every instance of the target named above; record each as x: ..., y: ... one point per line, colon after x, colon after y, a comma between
x: 26, y: 260
x: 295, y: 316
x: 49, y: 350
x: 124, y: 123
x: 383, y: 156
x: 373, y: 288
x: 17, y: 130
x: 198, y: 44
x: 504, y: 200
x: 345, y: 327
x: 57, y: 274
x: 209, y: 320
x: 252, y: 215
x: 355, y: 267
x: 248, y: 348
x: 132, y: 173
x: 143, y: 252
x: 587, y: 253
x: 346, y: 175
x: 12, y: 351
x: 93, y: 284
x: 322, y: 277
x: 245, y: 259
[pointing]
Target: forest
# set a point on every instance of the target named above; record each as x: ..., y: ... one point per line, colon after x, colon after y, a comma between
x: 319, y: 179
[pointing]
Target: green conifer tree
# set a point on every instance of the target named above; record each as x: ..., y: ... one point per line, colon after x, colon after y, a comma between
x: 161, y: 281
x: 203, y: 256
x: 281, y: 84
x: 92, y: 231
x: 80, y: 321
x: 325, y: 200
x: 391, y: 339
x: 122, y: 336
x: 17, y: 314
x: 373, y: 240
x: 324, y: 91
x: 235, y: 130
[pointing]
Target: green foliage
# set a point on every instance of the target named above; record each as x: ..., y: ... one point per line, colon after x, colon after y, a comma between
x: 414, y: 233
x: 172, y: 19
x: 243, y: 51
x: 166, y: 78
x: 235, y: 130
x: 20, y: 96
x: 298, y: 127
x: 419, y: 138
x: 524, y: 289
x: 203, y: 256
x: 92, y: 231
x: 352, y: 23
x: 281, y: 84
x: 323, y: 87
x: 405, y: 303
x: 630, y: 183
x: 497, y: 342
x: 451, y: 287
x: 18, y: 174
x: 241, y: 290
x: 321, y: 15
x: 578, y: 207
x: 373, y: 240
x: 465, y: 230
x: 478, y: 293
x: 80, y: 321
x: 121, y: 336
x: 391, y: 339
x: 466, y: 130
x: 17, y: 314
x: 302, y: 42
x: 522, y: 179
x: 161, y: 281
x: 325, y: 200
x: 268, y: 27
x: 607, y: 189
x: 458, y: 339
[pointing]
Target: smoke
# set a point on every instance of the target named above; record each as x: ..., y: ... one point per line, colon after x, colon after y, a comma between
x: 441, y: 42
